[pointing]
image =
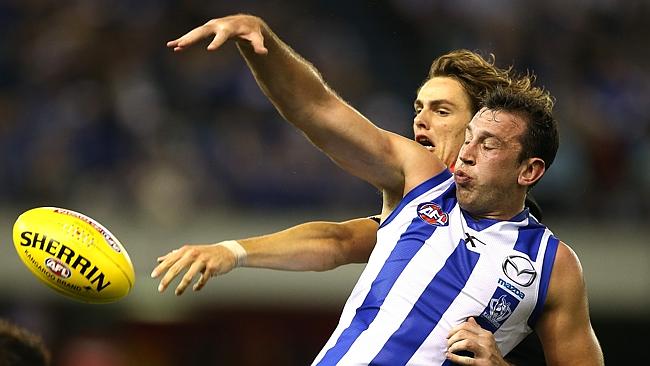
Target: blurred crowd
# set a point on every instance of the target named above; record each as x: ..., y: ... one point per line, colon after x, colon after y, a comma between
x: 94, y: 107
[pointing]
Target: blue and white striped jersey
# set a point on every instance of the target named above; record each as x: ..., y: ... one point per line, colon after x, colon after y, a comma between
x: 433, y: 267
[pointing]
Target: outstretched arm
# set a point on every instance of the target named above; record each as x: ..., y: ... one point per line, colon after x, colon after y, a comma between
x: 314, y: 246
x: 564, y: 327
x: 388, y: 161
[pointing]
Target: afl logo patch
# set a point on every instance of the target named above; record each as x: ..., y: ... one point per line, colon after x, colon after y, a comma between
x: 432, y: 214
x: 58, y: 267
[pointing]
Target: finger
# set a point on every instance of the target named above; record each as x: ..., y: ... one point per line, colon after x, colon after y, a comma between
x: 459, y: 336
x: 475, y: 327
x: 455, y: 330
x: 190, y: 37
x: 459, y: 360
x: 163, y: 263
x: 257, y: 41
x: 174, y: 43
x: 464, y: 326
x: 163, y: 257
x: 173, y: 271
x: 205, y: 276
x: 196, y: 267
x: 470, y: 325
x: 463, y: 346
x: 218, y: 40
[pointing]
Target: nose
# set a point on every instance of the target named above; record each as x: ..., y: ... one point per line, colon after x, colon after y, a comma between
x: 419, y: 121
x: 466, y: 154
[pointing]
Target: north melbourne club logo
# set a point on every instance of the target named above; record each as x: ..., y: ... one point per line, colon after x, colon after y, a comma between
x: 498, y: 311
x: 502, y: 304
x: 432, y: 214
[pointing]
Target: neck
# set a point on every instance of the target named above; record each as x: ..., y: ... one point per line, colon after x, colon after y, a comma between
x: 497, y: 215
x: 503, y: 208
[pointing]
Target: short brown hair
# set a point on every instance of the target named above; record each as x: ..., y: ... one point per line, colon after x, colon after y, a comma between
x: 535, y: 105
x: 476, y: 74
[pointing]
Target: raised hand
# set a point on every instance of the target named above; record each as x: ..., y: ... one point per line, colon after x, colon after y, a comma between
x: 242, y: 27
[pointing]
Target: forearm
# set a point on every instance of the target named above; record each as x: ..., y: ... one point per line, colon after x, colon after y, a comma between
x: 300, y: 94
x: 292, y: 84
x: 314, y: 246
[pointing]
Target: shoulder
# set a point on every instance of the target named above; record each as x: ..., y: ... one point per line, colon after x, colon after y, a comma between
x: 417, y: 162
x: 566, y: 261
x: 566, y: 276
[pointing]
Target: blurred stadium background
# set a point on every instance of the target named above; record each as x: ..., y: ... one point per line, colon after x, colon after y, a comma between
x: 96, y: 115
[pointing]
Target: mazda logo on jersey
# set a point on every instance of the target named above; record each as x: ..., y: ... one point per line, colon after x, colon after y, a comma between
x: 520, y: 270
x: 432, y: 214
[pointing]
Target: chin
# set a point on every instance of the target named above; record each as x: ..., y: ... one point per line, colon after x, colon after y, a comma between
x: 470, y: 201
x: 465, y: 199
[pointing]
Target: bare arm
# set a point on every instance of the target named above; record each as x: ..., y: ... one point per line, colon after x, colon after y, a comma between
x: 314, y: 246
x: 388, y: 161
x: 564, y: 327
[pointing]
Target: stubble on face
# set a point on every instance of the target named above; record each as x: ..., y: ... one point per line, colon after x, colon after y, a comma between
x: 487, y: 168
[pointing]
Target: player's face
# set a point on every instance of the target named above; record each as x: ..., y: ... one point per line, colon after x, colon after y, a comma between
x: 488, y: 165
x: 442, y: 111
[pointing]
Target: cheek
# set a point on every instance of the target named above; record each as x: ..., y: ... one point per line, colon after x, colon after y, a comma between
x: 457, y: 127
x: 492, y: 167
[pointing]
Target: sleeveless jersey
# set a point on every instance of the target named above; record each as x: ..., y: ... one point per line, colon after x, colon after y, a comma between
x: 433, y: 267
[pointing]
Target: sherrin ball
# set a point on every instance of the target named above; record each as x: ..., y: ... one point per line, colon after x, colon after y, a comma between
x: 73, y: 254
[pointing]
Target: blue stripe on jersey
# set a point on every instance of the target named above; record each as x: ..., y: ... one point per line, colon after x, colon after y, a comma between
x: 407, y: 246
x: 416, y: 192
x: 547, y: 267
x: 428, y: 310
x: 529, y: 239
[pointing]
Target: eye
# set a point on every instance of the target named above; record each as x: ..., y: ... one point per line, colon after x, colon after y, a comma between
x: 490, y: 144
x: 443, y: 112
x: 417, y: 111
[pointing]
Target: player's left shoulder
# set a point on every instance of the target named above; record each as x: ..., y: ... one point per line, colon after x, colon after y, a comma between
x: 567, y: 278
x: 567, y: 261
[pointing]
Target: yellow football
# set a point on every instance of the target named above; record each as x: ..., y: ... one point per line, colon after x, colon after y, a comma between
x: 73, y: 254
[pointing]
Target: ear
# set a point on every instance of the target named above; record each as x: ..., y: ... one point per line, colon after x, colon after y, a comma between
x: 531, y: 171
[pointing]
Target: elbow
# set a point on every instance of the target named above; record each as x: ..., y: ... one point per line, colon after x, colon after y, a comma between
x: 346, y: 246
x: 333, y: 249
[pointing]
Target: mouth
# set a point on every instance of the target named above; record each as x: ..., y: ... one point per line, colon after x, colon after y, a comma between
x: 424, y: 141
x: 461, y: 178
